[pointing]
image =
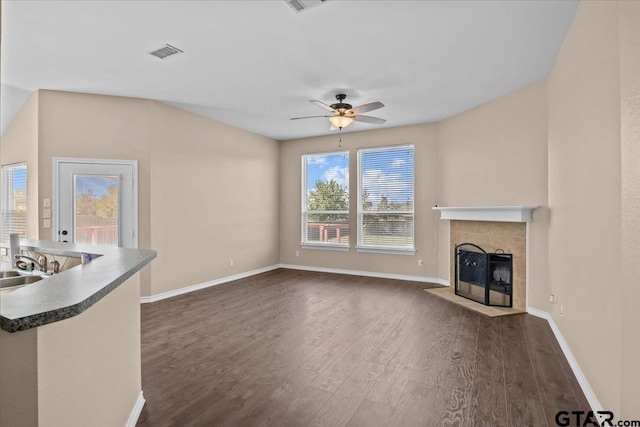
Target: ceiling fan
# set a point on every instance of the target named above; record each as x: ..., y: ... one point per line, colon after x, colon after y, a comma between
x: 344, y: 114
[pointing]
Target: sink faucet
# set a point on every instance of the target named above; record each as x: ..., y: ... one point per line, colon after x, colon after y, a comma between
x: 41, y: 262
x: 56, y: 266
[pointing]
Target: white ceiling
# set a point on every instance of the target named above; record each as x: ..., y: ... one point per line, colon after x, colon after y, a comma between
x: 255, y: 64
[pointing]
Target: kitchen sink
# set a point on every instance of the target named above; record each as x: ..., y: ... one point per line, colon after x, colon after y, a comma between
x: 8, y: 273
x: 9, y: 282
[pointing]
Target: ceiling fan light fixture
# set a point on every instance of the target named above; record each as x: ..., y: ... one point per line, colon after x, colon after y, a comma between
x: 344, y: 114
x: 340, y: 121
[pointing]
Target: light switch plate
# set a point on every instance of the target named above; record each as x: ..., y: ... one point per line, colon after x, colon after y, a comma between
x: 46, y: 203
x: 46, y: 213
x: 47, y: 223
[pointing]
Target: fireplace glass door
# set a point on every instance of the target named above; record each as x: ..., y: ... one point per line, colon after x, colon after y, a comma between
x: 483, y: 277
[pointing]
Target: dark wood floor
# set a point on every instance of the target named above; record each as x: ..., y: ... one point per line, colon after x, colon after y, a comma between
x: 292, y: 348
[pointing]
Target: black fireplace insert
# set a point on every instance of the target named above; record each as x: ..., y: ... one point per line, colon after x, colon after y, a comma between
x: 482, y: 276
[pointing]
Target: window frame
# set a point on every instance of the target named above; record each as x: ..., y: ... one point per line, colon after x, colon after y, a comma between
x: 393, y: 250
x: 304, y: 242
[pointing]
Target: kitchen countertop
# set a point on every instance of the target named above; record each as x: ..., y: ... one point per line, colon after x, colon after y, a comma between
x: 72, y: 291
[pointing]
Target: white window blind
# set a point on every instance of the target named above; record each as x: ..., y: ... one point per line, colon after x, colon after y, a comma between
x: 14, y: 200
x: 386, y: 199
x: 325, y: 200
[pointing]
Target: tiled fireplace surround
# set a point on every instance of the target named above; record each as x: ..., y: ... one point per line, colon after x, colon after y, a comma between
x: 491, y: 236
x: 492, y: 228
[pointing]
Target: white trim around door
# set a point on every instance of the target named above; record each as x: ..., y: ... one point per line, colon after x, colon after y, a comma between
x: 59, y: 161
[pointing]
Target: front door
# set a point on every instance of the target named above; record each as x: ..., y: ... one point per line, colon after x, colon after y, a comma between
x: 96, y: 202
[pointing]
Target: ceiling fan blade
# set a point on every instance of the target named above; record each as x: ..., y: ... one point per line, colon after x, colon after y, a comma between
x: 367, y: 107
x: 322, y: 105
x: 369, y: 119
x: 307, y: 117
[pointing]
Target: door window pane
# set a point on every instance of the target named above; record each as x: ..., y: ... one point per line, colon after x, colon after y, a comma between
x: 96, y: 209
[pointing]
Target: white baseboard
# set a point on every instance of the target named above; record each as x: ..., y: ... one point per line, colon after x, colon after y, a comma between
x: 367, y: 274
x: 137, y: 410
x: 582, y: 380
x: 197, y: 287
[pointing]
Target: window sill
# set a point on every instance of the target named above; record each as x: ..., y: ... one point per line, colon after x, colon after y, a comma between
x: 342, y: 248
x: 389, y: 251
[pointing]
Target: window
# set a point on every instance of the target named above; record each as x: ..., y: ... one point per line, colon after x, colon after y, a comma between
x: 325, y: 200
x: 96, y: 209
x: 14, y: 200
x: 385, y: 200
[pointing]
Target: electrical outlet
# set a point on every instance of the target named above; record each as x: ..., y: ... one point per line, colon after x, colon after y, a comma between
x: 297, y: 253
x: 46, y: 213
x: 47, y: 223
x: 46, y: 203
x: 3, y: 251
x: 230, y: 263
x: 551, y: 298
x: 420, y: 263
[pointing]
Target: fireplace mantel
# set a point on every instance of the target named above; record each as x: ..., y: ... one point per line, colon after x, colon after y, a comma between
x: 486, y: 213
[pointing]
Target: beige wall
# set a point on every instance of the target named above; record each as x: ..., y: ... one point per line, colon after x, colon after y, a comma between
x: 424, y: 139
x: 458, y: 160
x: 630, y: 133
x: 214, y: 198
x: 19, y: 378
x: 585, y: 196
x: 496, y: 154
x: 89, y: 365
x: 208, y: 192
x: 97, y: 127
x: 81, y: 371
x: 19, y: 143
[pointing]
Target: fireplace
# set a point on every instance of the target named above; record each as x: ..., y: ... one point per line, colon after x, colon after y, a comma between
x: 493, y: 228
x: 483, y: 276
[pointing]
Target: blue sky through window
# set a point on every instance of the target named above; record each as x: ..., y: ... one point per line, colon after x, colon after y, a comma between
x: 20, y: 178
x: 385, y: 172
x: 99, y: 184
x: 325, y: 167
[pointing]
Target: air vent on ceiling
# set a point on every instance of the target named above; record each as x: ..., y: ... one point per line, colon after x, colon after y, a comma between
x: 301, y: 5
x: 165, y: 51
